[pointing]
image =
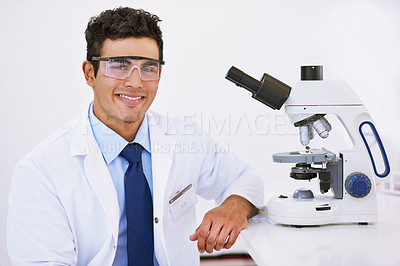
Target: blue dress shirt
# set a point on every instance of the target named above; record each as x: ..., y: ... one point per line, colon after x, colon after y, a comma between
x: 111, y: 144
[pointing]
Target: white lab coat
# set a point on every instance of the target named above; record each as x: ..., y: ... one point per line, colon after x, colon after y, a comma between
x: 63, y: 205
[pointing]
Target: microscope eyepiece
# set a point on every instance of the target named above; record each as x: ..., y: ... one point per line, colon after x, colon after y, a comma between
x: 269, y: 90
x: 243, y: 80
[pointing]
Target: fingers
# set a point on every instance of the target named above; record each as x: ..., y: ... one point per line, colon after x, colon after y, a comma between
x: 212, y: 238
x: 208, y: 236
x: 195, y: 235
x: 232, y: 239
x: 221, y: 226
x: 221, y: 239
x: 216, y: 238
x: 202, y: 235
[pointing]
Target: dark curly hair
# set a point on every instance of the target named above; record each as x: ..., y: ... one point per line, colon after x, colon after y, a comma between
x: 121, y: 23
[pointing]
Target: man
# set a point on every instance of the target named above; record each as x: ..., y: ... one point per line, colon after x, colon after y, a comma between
x: 73, y: 199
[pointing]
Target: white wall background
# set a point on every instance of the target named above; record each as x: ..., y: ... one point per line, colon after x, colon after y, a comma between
x: 42, y: 86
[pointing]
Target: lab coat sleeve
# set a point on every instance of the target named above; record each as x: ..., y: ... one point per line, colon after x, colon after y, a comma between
x: 223, y: 174
x: 38, y: 231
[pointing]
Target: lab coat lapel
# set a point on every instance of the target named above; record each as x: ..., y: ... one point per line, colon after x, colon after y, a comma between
x: 97, y: 173
x: 100, y: 179
x: 162, y: 148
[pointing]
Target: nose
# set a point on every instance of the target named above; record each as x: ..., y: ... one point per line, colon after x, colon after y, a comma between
x: 134, y: 80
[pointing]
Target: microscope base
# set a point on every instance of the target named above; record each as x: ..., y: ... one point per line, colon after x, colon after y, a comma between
x: 319, y: 211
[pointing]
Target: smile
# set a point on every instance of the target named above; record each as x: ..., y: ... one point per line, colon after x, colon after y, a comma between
x: 129, y: 98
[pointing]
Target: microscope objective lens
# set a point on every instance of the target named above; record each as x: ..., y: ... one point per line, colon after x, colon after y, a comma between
x: 322, y: 127
x: 306, y: 134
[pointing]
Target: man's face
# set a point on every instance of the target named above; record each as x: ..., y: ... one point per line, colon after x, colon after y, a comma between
x: 119, y: 101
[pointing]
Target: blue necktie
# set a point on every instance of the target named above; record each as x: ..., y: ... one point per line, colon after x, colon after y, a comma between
x: 139, y: 209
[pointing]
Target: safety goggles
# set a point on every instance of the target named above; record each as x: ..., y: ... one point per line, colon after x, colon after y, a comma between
x: 121, y: 67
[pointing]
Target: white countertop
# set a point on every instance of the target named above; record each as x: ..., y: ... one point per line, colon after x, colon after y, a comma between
x: 331, y: 245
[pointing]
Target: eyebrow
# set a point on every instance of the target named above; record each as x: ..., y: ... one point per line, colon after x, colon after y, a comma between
x: 126, y: 61
x: 149, y: 63
x: 127, y: 57
x: 121, y: 60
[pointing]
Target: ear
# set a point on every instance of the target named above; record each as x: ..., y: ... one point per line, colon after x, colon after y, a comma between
x: 88, y: 71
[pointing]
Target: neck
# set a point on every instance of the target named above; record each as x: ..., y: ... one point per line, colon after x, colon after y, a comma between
x: 127, y: 130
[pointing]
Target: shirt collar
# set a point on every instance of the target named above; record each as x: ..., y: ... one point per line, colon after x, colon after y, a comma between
x: 110, y: 143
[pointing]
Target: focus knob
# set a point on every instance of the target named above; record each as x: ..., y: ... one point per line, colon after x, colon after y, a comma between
x: 358, y: 185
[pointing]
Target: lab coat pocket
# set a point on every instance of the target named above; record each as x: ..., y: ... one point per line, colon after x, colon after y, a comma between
x: 182, y: 202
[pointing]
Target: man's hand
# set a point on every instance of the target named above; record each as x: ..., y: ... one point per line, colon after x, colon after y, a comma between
x: 221, y: 226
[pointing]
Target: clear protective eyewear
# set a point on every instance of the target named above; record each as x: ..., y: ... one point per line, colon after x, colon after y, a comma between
x: 121, y: 67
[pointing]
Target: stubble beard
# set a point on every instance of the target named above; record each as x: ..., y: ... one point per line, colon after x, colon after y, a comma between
x: 129, y: 119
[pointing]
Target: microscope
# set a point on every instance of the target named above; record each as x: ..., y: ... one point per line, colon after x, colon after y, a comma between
x: 350, y: 176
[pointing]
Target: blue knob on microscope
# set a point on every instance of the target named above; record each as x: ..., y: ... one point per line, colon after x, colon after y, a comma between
x: 358, y: 185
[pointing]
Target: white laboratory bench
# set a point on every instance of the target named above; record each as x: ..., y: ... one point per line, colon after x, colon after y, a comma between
x: 331, y: 245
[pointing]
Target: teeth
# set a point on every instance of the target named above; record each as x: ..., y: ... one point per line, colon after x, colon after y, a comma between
x: 130, y: 98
